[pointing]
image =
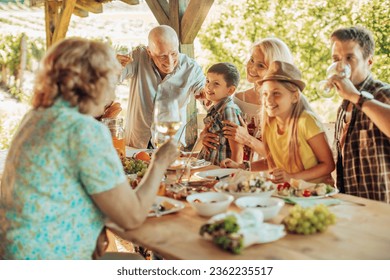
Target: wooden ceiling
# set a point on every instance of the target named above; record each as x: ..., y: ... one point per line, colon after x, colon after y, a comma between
x: 185, y: 16
x: 83, y: 7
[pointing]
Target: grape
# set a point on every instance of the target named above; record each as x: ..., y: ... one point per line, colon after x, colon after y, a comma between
x: 309, y: 220
x: 134, y: 166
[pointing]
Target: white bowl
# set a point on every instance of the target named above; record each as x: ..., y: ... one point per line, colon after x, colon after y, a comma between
x: 269, y: 206
x: 209, y: 203
x: 219, y: 187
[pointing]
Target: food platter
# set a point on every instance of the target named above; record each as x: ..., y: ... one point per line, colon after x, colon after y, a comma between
x: 221, y: 187
x: 216, y: 174
x: 332, y: 192
x: 173, y: 206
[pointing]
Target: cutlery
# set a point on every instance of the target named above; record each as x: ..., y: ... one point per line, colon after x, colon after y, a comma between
x: 352, y: 202
x: 218, y: 178
x: 188, y: 160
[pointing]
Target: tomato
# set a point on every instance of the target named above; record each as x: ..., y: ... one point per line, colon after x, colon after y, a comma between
x: 280, y: 187
x: 286, y: 185
x: 306, y: 193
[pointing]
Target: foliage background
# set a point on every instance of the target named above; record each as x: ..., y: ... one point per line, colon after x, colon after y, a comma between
x: 305, y: 26
x: 230, y: 29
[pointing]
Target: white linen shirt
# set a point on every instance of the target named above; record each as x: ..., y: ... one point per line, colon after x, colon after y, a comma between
x: 146, y: 86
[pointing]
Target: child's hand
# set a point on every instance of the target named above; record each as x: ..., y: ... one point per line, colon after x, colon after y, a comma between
x: 280, y: 176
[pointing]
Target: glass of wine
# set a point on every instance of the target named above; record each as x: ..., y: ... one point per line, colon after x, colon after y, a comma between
x: 339, y: 68
x: 157, y: 138
x: 167, y: 117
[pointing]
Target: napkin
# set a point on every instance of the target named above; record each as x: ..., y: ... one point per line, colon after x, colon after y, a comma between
x: 312, y: 202
x: 234, y: 231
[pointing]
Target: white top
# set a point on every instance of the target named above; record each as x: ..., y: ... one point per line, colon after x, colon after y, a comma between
x: 249, y: 111
x: 146, y: 86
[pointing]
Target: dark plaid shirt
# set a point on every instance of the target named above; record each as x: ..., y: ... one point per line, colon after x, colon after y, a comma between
x: 226, y: 109
x: 364, y: 170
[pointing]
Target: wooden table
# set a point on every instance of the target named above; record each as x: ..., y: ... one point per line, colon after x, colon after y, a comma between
x: 361, y: 232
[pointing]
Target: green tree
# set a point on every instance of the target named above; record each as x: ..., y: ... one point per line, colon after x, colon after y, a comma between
x: 304, y: 25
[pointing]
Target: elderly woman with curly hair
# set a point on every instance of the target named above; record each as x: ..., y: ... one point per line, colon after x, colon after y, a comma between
x: 62, y: 175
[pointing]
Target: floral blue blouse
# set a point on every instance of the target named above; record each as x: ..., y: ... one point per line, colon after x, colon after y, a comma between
x: 58, y: 158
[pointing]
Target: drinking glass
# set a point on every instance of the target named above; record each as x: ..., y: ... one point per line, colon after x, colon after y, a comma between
x: 325, y: 88
x: 157, y: 138
x: 167, y: 117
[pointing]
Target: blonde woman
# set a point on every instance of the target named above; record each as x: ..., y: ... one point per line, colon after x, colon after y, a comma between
x: 62, y: 175
x: 294, y: 140
x: 262, y: 53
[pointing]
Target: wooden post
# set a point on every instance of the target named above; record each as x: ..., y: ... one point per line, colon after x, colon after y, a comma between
x: 64, y: 19
x: 186, y: 18
x: 51, y: 20
x: 23, y: 61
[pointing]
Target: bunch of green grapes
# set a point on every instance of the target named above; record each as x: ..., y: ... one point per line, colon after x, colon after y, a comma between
x: 134, y: 166
x: 309, y: 220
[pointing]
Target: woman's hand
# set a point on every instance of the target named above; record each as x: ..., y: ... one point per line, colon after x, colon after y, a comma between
x: 229, y: 163
x: 280, y: 176
x: 209, y: 140
x: 167, y: 153
x: 235, y: 132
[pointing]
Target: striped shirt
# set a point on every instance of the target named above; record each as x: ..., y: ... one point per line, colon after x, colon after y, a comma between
x: 226, y: 109
x: 363, y: 164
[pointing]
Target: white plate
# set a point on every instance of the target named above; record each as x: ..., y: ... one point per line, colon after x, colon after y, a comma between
x: 178, y: 205
x: 335, y: 191
x: 212, y: 174
x: 178, y: 164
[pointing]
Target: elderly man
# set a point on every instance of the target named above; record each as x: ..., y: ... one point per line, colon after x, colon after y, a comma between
x: 362, y: 126
x: 158, y: 71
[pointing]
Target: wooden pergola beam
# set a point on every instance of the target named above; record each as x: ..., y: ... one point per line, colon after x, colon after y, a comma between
x: 63, y: 20
x: 160, y: 10
x: 80, y: 12
x: 193, y: 18
x: 51, y: 20
x: 90, y: 6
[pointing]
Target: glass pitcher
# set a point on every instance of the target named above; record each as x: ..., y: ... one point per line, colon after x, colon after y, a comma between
x: 115, y: 125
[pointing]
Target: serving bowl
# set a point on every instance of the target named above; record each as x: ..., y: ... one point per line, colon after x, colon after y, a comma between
x: 210, y: 203
x: 269, y: 206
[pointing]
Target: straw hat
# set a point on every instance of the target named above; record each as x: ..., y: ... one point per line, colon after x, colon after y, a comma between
x: 283, y: 71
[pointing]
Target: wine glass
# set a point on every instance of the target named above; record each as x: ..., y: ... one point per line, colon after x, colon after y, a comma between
x: 157, y: 138
x: 167, y: 117
x: 325, y: 88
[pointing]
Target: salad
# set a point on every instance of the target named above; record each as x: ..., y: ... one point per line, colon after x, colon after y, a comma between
x: 253, y: 185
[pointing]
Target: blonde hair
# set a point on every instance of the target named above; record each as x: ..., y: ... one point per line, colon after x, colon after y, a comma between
x: 292, y: 127
x: 274, y: 49
x: 80, y: 71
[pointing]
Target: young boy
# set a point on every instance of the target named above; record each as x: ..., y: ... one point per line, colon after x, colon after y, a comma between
x: 221, y: 82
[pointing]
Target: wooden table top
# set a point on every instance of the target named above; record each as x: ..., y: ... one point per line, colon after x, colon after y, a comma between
x: 360, y: 232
